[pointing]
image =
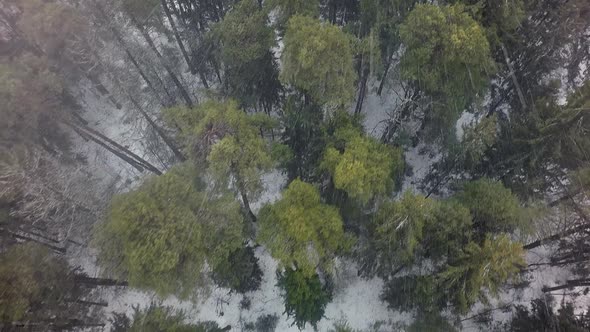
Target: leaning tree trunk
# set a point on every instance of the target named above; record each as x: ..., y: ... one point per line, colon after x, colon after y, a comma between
x: 362, y: 93
x: 385, y: 72
x: 242, y: 190
x: 167, y: 140
x: 175, y: 79
x: 177, y: 37
x: 568, y: 285
x: 120, y: 151
x: 86, y: 280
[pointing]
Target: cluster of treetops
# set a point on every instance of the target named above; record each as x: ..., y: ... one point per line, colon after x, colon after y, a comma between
x: 193, y: 225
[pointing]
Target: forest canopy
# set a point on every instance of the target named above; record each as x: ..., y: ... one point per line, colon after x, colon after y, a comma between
x: 261, y: 165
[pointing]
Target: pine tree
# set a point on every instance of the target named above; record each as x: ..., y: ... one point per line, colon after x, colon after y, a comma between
x: 317, y: 60
x: 441, y: 40
x: 301, y: 232
x: 494, y: 207
x: 399, y: 230
x: 229, y: 140
x: 251, y: 71
x: 305, y: 297
x: 160, y: 236
x: 365, y: 169
x: 480, y: 269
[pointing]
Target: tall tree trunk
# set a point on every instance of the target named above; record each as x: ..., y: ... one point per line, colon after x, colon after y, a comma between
x: 385, y: 72
x: 120, y: 151
x: 362, y: 93
x: 53, y: 325
x: 102, y: 89
x: 177, y: 37
x: 242, y: 190
x: 513, y: 76
x: 89, y: 303
x: 148, y: 39
x: 569, y: 284
x: 332, y: 11
x: 86, y: 280
x: 579, y: 211
x: 169, y: 142
x: 25, y: 237
x: 135, y: 63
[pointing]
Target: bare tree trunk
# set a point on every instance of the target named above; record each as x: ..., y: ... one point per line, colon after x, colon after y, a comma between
x: 120, y: 151
x: 24, y: 237
x: 89, y: 303
x: 177, y: 37
x: 513, y: 76
x: 169, y: 142
x: 70, y: 324
x: 362, y: 94
x: 175, y: 79
x: 245, y: 200
x: 86, y: 280
x: 569, y: 284
x: 579, y: 211
x: 385, y: 72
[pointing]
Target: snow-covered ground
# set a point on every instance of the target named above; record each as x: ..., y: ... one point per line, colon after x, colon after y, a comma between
x: 356, y: 300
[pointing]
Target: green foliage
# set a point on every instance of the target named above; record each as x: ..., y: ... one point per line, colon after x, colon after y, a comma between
x: 289, y: 8
x: 305, y: 297
x: 499, y: 18
x: 317, y: 59
x: 365, y: 169
x: 482, y: 269
x: 33, y: 284
x: 449, y: 231
x: 305, y: 136
x: 244, y: 34
x: 447, y: 54
x: 251, y: 73
x: 494, y: 207
x: 300, y: 231
x: 163, y: 319
x: 399, y: 229
x: 478, y: 139
x: 239, y: 272
x: 229, y: 140
x: 160, y: 235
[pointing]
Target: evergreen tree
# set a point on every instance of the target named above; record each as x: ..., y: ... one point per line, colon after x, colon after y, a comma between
x: 448, y: 56
x: 481, y: 269
x: 239, y: 272
x: 300, y: 231
x: 365, y: 169
x: 494, y: 207
x: 229, y: 140
x: 251, y: 70
x: 399, y: 230
x: 317, y: 60
x: 305, y: 297
x: 160, y: 235
x: 289, y: 8
x: 38, y: 286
